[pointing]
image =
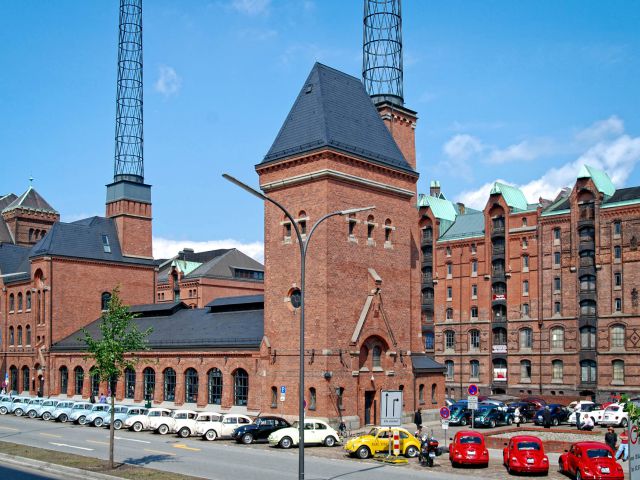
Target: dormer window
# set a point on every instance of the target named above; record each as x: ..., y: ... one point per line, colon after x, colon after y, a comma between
x: 105, y: 244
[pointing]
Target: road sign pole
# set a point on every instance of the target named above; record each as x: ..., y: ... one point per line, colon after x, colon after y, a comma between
x: 473, y: 414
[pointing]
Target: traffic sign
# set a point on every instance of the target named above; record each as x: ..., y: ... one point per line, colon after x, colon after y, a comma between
x: 445, y: 413
x: 472, y: 402
x: 634, y: 452
x: 473, y: 389
x: 283, y: 390
x: 445, y: 424
x: 391, y: 411
x: 282, y: 398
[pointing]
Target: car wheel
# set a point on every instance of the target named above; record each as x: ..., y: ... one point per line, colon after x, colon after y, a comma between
x: 247, y: 438
x: 286, y: 442
x: 624, y: 423
x: 578, y: 475
x: 329, y: 441
x: 3, y: 410
x: 463, y: 422
x: 363, y: 452
x: 63, y: 418
x: 18, y: 412
x: 82, y: 420
x: 98, y: 422
x: 555, y: 422
x: 32, y: 414
x: 210, y: 435
x: 163, y: 429
x: 411, y: 452
x: 46, y: 416
x: 560, y: 466
x: 492, y: 424
x: 117, y: 425
x: 137, y: 427
x: 454, y: 464
x: 184, y: 432
x: 509, y: 421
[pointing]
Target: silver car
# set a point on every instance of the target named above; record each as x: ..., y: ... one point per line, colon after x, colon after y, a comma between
x: 80, y: 411
x: 47, y: 408
x: 5, y: 402
x: 33, y: 406
x: 121, y: 414
x: 97, y: 414
x: 62, y: 411
x: 18, y: 405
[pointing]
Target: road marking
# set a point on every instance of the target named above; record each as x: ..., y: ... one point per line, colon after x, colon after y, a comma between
x: 51, y: 435
x: 184, y: 447
x: 71, y: 446
x: 158, y: 451
x: 99, y: 443
x: 131, y: 440
x: 10, y: 428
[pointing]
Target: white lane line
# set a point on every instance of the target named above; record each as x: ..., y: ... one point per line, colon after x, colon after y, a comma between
x: 160, y: 452
x: 50, y: 435
x: 9, y: 428
x: 131, y: 439
x: 71, y: 446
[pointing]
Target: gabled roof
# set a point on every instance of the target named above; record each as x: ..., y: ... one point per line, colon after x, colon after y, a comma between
x: 221, y: 264
x: 32, y: 200
x: 7, y: 199
x: 467, y: 225
x: 334, y: 110
x: 425, y: 364
x: 601, y: 179
x: 441, y: 208
x: 512, y: 196
x: 14, y: 262
x: 624, y: 195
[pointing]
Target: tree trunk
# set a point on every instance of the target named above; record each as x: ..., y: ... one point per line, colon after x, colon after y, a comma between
x: 112, y: 430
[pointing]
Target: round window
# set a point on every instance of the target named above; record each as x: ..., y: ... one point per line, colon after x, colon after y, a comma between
x: 295, y: 297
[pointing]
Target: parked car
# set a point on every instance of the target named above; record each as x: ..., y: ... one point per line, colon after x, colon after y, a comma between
x: 148, y: 420
x: 525, y: 454
x: 460, y: 414
x: 378, y: 440
x: 222, y: 427
x: 527, y: 410
x: 62, y: 411
x: 492, y: 416
x: 177, y: 423
x: 96, y: 415
x: 121, y: 414
x: 47, y: 408
x: 203, y: 422
x: 79, y: 412
x: 31, y: 410
x: 18, y: 405
x: 594, y: 410
x: 615, y: 416
x: 468, y: 448
x: 315, y: 432
x: 590, y: 460
x: 539, y: 402
x: 259, y: 430
x: 5, y: 401
x: 578, y: 403
x: 559, y: 414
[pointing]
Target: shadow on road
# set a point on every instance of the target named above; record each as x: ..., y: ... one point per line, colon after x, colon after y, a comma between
x: 148, y: 459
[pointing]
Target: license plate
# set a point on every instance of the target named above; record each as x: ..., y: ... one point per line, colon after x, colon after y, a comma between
x: 471, y: 452
x: 432, y: 454
x: 604, y: 469
x: 530, y: 460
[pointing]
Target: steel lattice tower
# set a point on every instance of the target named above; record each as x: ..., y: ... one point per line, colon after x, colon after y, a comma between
x: 129, y: 159
x: 382, y: 50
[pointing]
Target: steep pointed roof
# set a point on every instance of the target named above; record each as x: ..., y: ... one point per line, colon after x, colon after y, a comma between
x: 442, y: 209
x: 512, y: 195
x: 32, y: 200
x: 334, y: 110
x: 600, y: 178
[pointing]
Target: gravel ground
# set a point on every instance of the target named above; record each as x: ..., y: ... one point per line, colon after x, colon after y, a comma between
x: 551, y: 435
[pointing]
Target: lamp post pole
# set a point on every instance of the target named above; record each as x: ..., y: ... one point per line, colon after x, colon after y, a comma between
x: 303, y: 244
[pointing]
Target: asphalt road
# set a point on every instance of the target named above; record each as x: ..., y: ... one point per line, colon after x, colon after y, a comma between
x: 22, y: 473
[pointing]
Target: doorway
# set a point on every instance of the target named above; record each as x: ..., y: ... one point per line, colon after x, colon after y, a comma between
x: 370, y: 413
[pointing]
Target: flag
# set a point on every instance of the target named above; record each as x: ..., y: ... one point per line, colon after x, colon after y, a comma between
x: 6, y: 379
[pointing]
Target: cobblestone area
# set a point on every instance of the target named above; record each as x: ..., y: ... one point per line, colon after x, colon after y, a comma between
x: 558, y: 436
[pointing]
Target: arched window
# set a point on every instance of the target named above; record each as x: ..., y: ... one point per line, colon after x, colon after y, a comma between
x: 12, y: 339
x: 340, y: 395
x: 19, y: 335
x: 129, y: 383
x: 376, y: 353
x: 588, y: 371
x: 25, y: 379
x: 64, y: 380
x: 31, y: 235
x: 95, y: 381
x: 474, y: 339
x: 617, y: 336
x: 12, y: 303
x: 27, y: 332
x: 387, y: 231
x: 352, y: 225
x: 274, y: 397
x: 240, y: 387
x: 618, y: 371
x: 448, y: 364
x: 449, y: 314
x: 302, y: 222
x: 78, y: 375
x: 28, y: 300
x: 421, y: 393
x: 104, y: 301
x: 434, y: 393
x: 312, y: 398
x: 557, y: 371
x: 169, y: 385
x: 474, y: 369
x: 525, y: 371
x: 214, y: 388
x: 588, y: 337
x: 370, y: 226
x: 191, y: 386
x: 526, y: 338
x: 449, y: 340
x: 149, y: 383
x: 557, y: 338
x: 20, y: 301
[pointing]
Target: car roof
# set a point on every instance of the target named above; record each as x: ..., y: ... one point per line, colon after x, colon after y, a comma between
x: 590, y: 444
x: 469, y: 433
x: 526, y: 438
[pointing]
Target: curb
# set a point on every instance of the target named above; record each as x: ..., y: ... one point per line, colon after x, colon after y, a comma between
x: 69, y: 472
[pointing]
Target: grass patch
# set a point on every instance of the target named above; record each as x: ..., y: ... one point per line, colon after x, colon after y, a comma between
x: 121, y: 470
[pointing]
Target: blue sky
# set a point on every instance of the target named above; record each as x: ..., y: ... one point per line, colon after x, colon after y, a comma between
x: 520, y: 91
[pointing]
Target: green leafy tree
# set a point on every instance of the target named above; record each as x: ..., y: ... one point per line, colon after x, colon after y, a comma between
x: 113, y: 350
x: 631, y: 408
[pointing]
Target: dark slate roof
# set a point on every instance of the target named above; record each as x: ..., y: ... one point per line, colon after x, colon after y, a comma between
x: 624, y: 194
x: 231, y: 303
x: 14, y: 259
x: 6, y: 200
x: 156, y: 309
x: 215, y: 264
x: 5, y: 235
x: 83, y: 239
x: 424, y: 363
x: 334, y: 110
x: 188, y: 329
x: 30, y: 199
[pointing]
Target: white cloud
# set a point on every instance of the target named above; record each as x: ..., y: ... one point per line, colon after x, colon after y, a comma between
x: 169, y: 82
x: 251, y: 7
x: 612, y: 126
x: 167, y: 248
x: 521, y: 152
x: 459, y: 150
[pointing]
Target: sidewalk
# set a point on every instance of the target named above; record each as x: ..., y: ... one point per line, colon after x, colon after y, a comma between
x: 52, y: 468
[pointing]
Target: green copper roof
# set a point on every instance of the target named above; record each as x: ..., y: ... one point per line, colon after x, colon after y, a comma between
x: 512, y: 195
x: 185, y: 266
x: 601, y: 180
x: 442, y: 209
x: 465, y: 226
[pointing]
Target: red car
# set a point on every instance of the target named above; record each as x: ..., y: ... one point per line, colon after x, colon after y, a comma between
x: 591, y: 461
x: 468, y: 448
x: 525, y: 454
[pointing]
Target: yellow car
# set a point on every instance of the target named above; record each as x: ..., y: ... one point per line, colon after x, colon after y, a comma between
x: 377, y: 441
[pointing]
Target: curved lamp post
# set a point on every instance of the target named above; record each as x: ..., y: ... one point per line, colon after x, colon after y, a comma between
x: 304, y: 245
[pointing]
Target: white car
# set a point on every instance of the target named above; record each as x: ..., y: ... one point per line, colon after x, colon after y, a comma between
x: 80, y: 411
x: 315, y: 432
x: 178, y: 419
x: 594, y: 410
x: 62, y: 411
x: 5, y: 401
x: 223, y: 427
x: 123, y: 412
x: 615, y: 416
x: 149, y: 420
x: 96, y: 415
x: 47, y: 408
x: 193, y: 426
x: 18, y: 405
x: 31, y: 410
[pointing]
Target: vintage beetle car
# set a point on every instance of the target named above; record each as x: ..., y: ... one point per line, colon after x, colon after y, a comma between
x: 150, y: 420
x: 492, y: 416
x: 62, y: 411
x: 591, y: 461
x: 221, y: 427
x: 121, y: 414
x: 259, y: 430
x: 468, y: 448
x: 615, y: 416
x: 559, y: 414
x: 315, y: 432
x: 525, y: 454
x: 378, y: 440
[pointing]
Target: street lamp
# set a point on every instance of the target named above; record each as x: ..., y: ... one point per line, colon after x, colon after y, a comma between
x: 303, y: 244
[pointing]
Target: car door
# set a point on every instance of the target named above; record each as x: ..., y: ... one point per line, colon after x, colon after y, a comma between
x: 229, y: 424
x: 264, y: 428
x: 382, y: 440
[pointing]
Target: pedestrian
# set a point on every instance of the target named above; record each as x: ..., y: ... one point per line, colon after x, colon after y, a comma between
x: 516, y: 416
x: 3, y: 391
x: 102, y: 398
x: 546, y: 416
x: 417, y: 419
x: 577, y: 413
x: 92, y: 398
x: 587, y: 423
x: 623, y: 449
x: 610, y: 438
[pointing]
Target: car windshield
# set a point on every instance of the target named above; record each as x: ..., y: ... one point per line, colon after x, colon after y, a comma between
x: 470, y: 439
x: 598, y: 453
x: 482, y: 411
x: 373, y: 432
x: 47, y: 403
x: 78, y: 407
x: 528, y: 446
x: 456, y: 410
x: 613, y: 408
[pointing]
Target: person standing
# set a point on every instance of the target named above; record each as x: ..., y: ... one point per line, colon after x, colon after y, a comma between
x: 517, y: 414
x: 102, y: 398
x: 417, y: 419
x: 623, y: 449
x: 546, y: 416
x: 577, y: 412
x: 610, y: 438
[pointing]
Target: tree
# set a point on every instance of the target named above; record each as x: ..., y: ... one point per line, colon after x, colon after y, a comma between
x: 113, y: 350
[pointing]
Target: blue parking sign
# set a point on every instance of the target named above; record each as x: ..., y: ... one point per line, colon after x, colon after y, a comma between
x: 283, y: 390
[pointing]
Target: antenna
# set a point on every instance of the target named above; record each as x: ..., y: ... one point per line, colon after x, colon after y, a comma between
x: 382, y: 51
x: 129, y: 160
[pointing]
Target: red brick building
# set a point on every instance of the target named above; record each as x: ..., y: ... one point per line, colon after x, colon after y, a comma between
x: 535, y: 298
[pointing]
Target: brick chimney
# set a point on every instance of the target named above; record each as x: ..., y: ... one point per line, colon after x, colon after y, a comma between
x: 434, y: 188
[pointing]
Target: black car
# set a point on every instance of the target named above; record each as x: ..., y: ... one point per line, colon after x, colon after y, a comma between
x: 492, y: 416
x: 559, y: 414
x: 527, y: 410
x: 460, y: 414
x: 259, y: 430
